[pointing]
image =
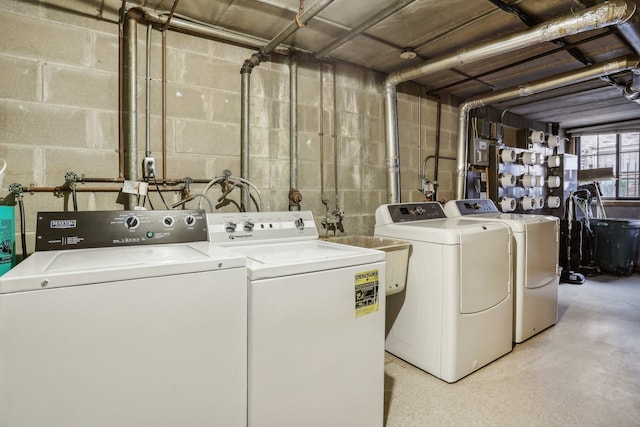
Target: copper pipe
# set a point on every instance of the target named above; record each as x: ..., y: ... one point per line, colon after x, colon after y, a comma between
x: 173, y: 9
x: 164, y: 89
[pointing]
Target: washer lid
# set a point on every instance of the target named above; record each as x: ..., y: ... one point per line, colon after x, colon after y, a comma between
x: 286, y: 259
x: 55, y: 269
x: 517, y: 222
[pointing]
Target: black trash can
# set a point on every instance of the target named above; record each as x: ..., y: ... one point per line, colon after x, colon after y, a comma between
x: 617, y: 242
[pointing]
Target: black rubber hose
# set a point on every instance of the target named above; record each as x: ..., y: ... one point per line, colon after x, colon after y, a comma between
x: 74, y: 197
x: 23, y: 234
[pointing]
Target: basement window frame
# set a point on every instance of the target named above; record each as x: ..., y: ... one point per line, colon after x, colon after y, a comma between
x: 603, y: 156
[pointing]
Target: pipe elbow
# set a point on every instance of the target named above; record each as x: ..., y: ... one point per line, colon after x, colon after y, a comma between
x: 390, y: 83
x: 135, y: 13
x: 625, y: 9
x: 251, y: 63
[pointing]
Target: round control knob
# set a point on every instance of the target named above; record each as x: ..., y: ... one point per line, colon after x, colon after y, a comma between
x: 299, y: 224
x: 247, y: 226
x: 131, y: 222
x: 190, y: 220
x: 230, y: 227
x: 168, y: 221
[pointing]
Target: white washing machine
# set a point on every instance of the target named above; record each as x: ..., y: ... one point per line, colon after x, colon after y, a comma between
x: 146, y: 333
x: 535, y: 263
x: 316, y: 322
x: 456, y: 313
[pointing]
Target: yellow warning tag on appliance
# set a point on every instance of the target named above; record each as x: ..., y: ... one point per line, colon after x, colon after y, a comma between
x: 366, y: 286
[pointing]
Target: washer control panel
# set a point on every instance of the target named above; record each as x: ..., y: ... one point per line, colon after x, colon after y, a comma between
x: 254, y: 227
x: 99, y: 229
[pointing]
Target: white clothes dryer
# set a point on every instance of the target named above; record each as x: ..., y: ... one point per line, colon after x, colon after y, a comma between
x: 146, y: 333
x: 536, y: 277
x: 455, y: 315
x: 316, y: 322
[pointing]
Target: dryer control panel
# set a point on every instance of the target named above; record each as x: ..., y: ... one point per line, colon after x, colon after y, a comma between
x: 471, y: 207
x: 403, y: 212
x: 100, y: 229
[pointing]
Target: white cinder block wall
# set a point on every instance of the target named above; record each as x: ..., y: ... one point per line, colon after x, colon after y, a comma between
x: 59, y: 113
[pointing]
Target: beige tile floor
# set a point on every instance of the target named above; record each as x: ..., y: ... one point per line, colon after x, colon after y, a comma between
x: 584, y: 371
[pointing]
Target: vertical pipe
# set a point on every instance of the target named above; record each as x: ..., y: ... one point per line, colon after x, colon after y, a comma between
x: 165, y: 27
x: 130, y: 100
x: 164, y: 104
x: 245, y: 73
x: 245, y: 145
x: 293, y: 124
x: 123, y: 14
x: 392, y: 160
x: 463, y: 128
x: 335, y: 138
x: 147, y: 151
x: 436, y: 165
x: 323, y: 198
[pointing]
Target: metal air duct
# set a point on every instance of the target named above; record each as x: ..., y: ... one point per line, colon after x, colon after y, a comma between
x: 614, y: 12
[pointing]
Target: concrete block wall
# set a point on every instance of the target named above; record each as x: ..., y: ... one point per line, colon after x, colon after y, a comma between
x: 59, y: 113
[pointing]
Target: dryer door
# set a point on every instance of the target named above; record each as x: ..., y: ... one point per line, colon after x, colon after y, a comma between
x: 541, y: 253
x: 485, y: 266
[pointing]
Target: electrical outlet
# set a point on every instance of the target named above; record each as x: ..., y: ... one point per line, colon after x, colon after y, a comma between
x: 149, y: 167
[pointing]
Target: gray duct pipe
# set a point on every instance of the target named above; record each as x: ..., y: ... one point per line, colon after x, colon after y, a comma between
x: 611, y: 13
x: 630, y: 30
x: 588, y: 73
x: 130, y: 100
x: 245, y: 72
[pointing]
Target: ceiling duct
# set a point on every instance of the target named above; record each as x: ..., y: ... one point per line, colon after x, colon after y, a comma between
x: 630, y: 62
x: 615, y: 12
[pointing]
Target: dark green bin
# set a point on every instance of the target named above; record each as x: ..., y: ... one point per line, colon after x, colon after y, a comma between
x: 616, y: 246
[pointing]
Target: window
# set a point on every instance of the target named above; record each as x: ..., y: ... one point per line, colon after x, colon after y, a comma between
x: 619, y: 151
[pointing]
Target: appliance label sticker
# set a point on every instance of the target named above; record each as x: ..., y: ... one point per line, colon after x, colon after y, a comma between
x: 366, y: 287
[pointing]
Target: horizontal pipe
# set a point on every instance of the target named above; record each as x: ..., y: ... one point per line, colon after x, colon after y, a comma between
x: 612, y: 66
x: 212, y: 31
x: 295, y: 25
